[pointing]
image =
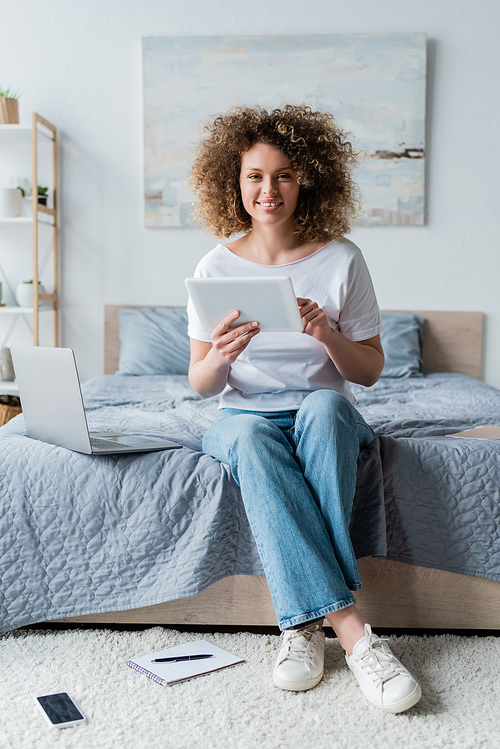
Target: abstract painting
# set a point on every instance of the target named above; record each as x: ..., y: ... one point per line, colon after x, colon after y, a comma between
x: 374, y: 84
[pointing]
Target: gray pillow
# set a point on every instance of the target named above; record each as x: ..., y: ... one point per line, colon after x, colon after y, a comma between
x: 153, y: 341
x: 402, y: 344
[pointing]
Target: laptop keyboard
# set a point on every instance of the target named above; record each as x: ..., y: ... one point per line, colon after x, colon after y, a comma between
x: 105, y: 444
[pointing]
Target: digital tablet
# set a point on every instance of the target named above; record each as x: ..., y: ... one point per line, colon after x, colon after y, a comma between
x: 271, y: 301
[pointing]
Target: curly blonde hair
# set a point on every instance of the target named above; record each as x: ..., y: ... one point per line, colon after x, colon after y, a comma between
x: 319, y: 152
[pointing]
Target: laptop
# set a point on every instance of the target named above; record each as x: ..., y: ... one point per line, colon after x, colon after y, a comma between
x: 52, y: 403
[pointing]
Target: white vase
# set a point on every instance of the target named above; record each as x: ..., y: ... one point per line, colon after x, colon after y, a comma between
x: 11, y: 202
x: 24, y: 294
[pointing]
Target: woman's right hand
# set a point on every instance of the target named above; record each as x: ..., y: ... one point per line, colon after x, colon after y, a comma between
x: 229, y: 344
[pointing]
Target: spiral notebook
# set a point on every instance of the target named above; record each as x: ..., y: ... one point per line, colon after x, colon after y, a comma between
x: 171, y: 673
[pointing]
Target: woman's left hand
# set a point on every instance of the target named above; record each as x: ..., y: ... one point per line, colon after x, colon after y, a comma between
x: 314, y: 320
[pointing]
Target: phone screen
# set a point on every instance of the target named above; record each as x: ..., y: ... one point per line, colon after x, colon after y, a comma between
x: 60, y: 708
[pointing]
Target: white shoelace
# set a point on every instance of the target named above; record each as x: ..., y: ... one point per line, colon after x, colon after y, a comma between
x: 380, y: 660
x: 296, y: 645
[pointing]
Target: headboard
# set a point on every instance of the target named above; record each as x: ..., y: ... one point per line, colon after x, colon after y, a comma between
x: 452, y: 340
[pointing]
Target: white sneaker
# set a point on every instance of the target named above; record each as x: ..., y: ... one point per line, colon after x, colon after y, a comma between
x: 384, y: 681
x: 301, y: 658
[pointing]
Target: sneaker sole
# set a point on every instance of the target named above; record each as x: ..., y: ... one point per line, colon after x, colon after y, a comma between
x: 400, y: 707
x: 297, y: 686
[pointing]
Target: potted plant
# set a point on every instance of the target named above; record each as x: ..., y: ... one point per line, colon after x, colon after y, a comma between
x: 9, y: 106
x: 24, y: 293
x: 43, y: 195
x: 25, y: 190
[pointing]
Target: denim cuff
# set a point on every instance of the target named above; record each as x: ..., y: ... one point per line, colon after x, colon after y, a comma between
x: 304, y: 624
x: 304, y: 619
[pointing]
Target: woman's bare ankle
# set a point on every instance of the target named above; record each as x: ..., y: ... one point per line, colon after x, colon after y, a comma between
x: 349, y: 626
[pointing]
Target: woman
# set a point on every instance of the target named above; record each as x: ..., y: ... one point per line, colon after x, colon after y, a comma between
x: 287, y: 425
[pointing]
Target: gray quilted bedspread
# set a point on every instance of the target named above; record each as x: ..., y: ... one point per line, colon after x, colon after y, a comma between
x: 82, y: 534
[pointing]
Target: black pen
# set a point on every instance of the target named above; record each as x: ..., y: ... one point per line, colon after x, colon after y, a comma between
x: 177, y: 658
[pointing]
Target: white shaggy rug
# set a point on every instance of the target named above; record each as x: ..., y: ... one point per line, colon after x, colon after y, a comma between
x: 239, y: 708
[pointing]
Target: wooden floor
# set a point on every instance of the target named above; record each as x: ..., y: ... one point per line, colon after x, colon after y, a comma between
x: 394, y: 595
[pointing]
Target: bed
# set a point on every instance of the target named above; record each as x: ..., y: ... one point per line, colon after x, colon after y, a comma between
x: 163, y: 538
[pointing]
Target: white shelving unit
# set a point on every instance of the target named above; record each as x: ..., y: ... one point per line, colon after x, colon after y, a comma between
x: 42, y: 215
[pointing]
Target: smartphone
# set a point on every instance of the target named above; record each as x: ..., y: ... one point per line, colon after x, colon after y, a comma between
x: 59, y: 710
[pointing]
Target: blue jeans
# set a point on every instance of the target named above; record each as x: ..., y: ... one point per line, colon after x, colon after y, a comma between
x: 297, y: 475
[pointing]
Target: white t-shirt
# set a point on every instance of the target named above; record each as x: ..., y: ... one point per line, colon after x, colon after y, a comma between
x: 278, y: 370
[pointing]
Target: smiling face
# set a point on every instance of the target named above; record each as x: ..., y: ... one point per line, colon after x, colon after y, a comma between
x: 269, y: 187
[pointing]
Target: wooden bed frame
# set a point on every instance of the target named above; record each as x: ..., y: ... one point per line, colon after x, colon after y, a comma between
x: 394, y: 595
